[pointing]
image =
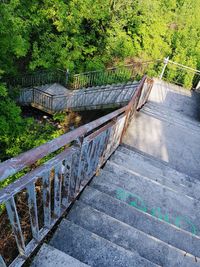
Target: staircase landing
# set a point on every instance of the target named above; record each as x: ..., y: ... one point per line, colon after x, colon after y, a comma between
x: 168, y: 128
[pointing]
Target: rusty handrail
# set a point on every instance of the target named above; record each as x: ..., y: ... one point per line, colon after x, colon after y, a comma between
x: 70, y: 170
x: 14, y: 165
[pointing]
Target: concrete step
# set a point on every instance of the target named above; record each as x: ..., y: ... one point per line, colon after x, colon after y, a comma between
x: 151, y: 197
x: 142, y: 221
x: 93, y: 249
x: 164, y: 141
x: 140, y: 163
x: 129, y: 238
x: 172, y: 116
x: 176, y: 98
x: 49, y: 256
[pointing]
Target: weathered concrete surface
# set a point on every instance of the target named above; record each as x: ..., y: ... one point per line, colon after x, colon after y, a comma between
x: 142, y: 221
x: 159, y: 199
x: 94, y: 250
x: 157, y: 170
x: 164, y: 139
x: 176, y: 98
x: 128, y: 237
x: 54, y: 89
x: 143, y: 208
x: 51, y: 257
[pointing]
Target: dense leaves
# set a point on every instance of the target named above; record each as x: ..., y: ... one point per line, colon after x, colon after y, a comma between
x: 85, y: 35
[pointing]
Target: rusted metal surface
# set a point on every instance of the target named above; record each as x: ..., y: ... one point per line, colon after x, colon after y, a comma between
x: 32, y: 204
x: 14, y: 165
x: 15, y: 223
x: 67, y: 173
x: 47, y: 198
x: 57, y: 190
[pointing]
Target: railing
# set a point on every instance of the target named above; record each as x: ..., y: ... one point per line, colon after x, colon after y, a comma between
x: 43, y: 99
x: 37, y: 78
x: 89, y: 98
x: 171, y: 72
x: 122, y: 74
x: 63, y: 177
x: 26, y: 96
x: 180, y: 74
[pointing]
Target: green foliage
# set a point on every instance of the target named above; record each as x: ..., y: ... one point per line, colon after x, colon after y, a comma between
x: 84, y: 35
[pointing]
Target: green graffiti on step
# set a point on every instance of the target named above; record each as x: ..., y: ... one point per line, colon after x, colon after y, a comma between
x: 137, y: 202
x: 180, y: 220
x: 134, y: 200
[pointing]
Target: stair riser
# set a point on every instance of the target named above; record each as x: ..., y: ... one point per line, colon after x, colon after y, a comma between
x: 145, y: 169
x: 94, y: 250
x: 157, y: 201
x: 142, y: 221
x: 161, y: 167
x: 128, y: 237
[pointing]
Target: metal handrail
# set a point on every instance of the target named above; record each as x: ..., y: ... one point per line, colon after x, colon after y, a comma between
x: 72, y: 169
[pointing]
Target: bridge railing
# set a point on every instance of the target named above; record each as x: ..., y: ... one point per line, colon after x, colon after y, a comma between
x: 50, y: 188
x: 90, y: 98
x: 37, y: 78
x: 121, y: 74
x: 43, y: 99
x: 180, y: 74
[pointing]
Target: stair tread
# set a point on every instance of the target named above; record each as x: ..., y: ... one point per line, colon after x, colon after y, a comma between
x: 49, y: 256
x: 128, y: 237
x: 93, y: 249
x: 176, y: 98
x: 173, y: 117
x: 141, y: 220
x: 155, y: 170
x: 179, y: 209
x: 172, y: 114
x: 164, y: 141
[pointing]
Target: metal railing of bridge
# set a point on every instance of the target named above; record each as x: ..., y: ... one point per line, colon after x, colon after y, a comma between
x: 180, y: 74
x: 165, y: 69
x: 120, y: 74
x: 81, y: 154
x: 40, y: 77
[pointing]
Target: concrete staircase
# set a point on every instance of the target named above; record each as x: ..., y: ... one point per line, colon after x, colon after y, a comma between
x: 143, y: 209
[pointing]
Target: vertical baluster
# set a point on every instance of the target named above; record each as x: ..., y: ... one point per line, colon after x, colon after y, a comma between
x: 77, y: 82
x: 57, y: 190
x: 15, y: 223
x: 32, y: 204
x: 74, y: 176
x: 51, y: 103
x: 46, y: 179
x: 66, y: 178
x: 2, y: 262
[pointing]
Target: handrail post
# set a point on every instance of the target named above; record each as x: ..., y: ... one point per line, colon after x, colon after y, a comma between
x: 66, y: 77
x: 166, y: 60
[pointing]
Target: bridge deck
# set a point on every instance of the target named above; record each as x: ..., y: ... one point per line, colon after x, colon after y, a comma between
x: 55, y: 98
